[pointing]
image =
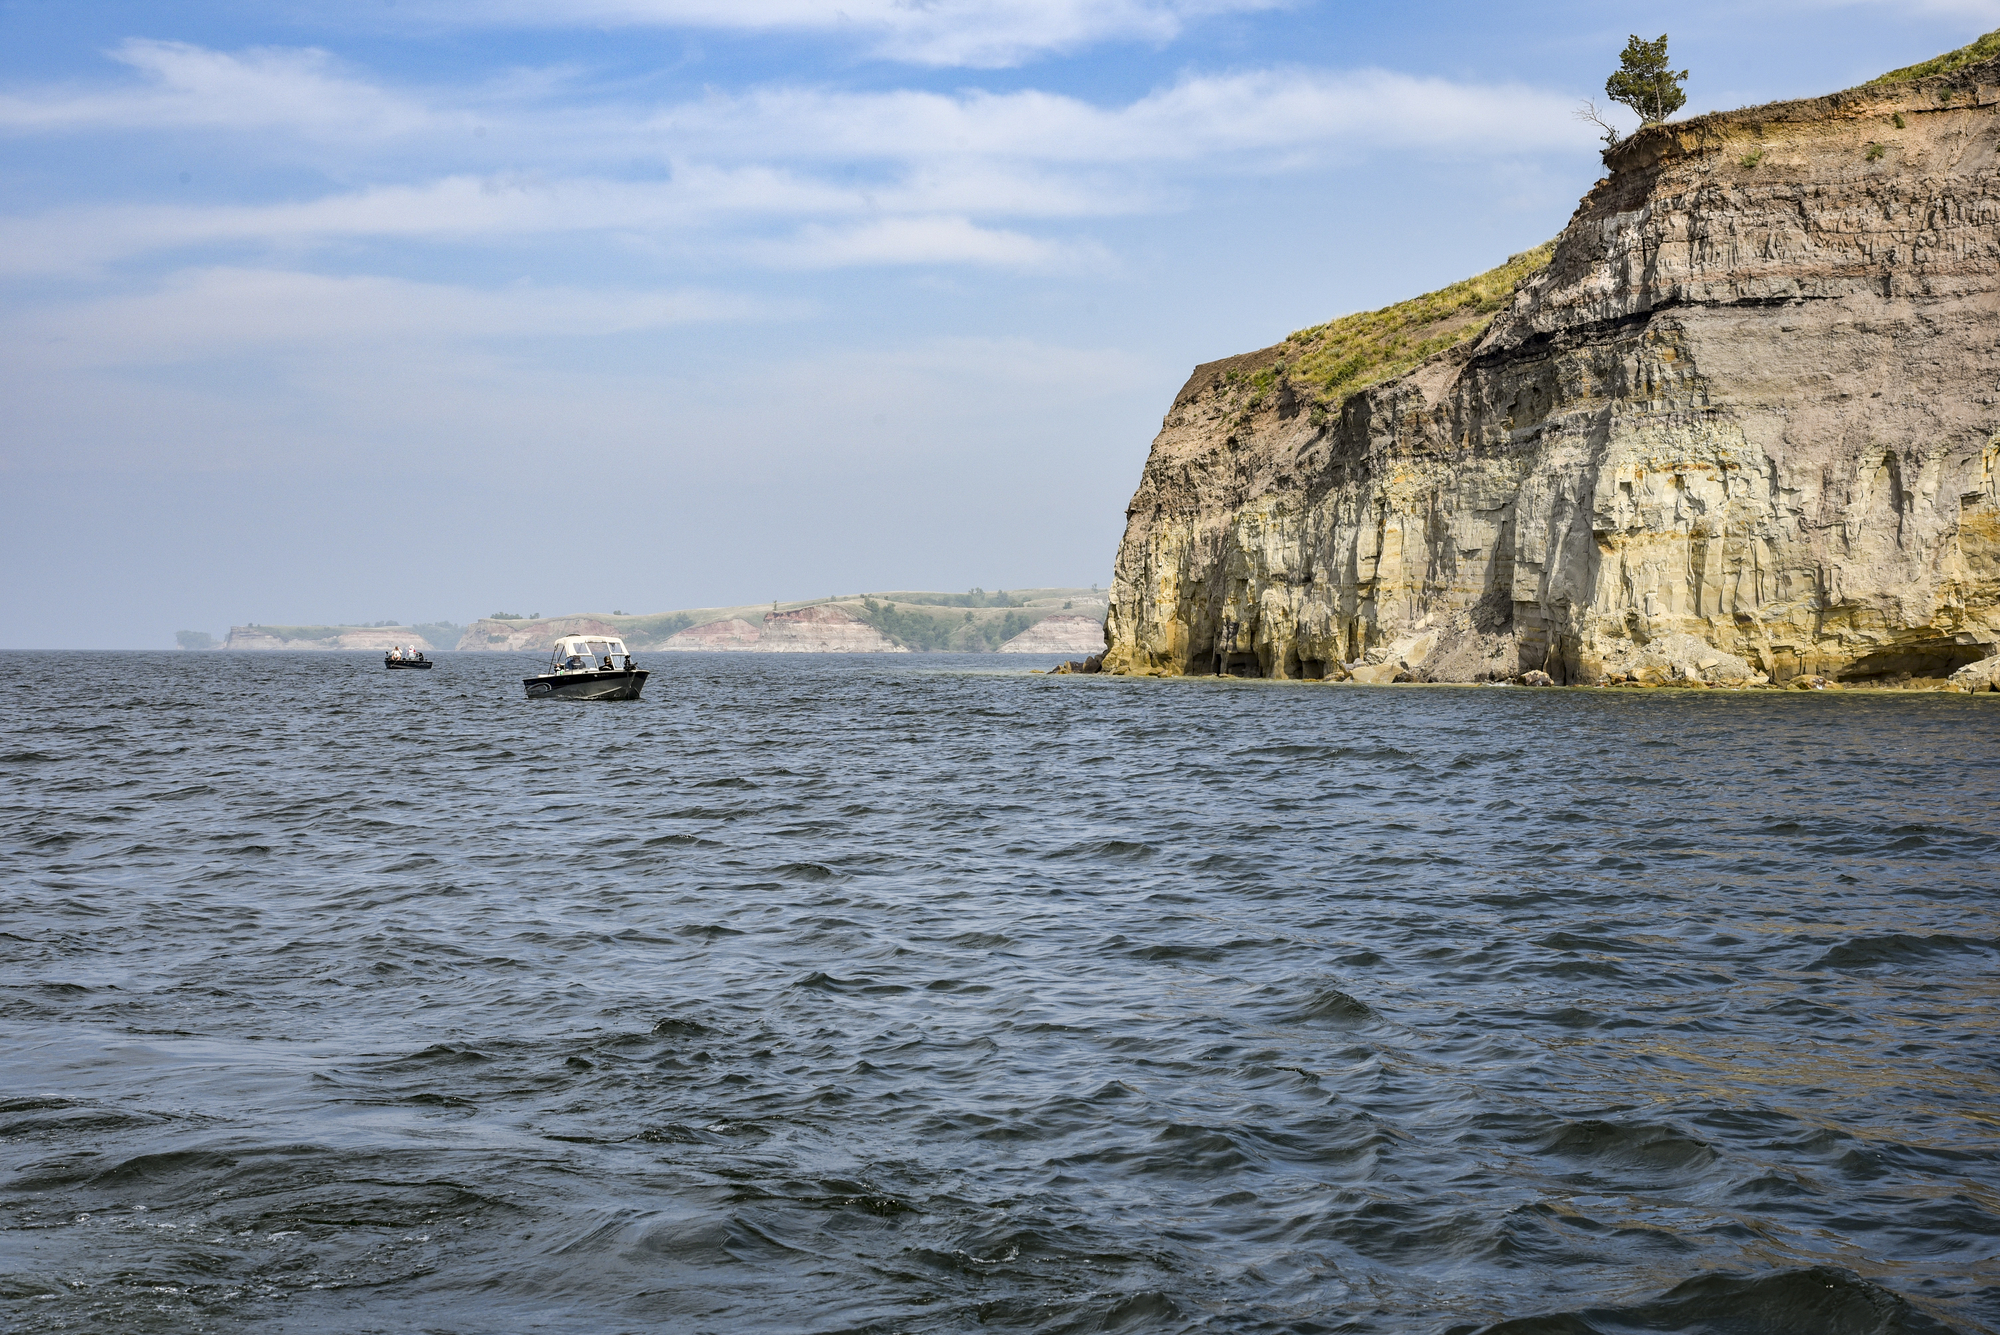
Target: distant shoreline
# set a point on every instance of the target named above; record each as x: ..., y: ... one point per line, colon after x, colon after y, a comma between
x: 1055, y: 620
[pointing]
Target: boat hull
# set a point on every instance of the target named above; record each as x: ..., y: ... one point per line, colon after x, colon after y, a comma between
x: 394, y: 663
x: 586, y: 685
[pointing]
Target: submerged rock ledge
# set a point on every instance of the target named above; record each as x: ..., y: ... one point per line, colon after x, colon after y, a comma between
x: 1750, y: 402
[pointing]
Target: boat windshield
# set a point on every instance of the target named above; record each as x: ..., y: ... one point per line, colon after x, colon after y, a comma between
x: 592, y: 652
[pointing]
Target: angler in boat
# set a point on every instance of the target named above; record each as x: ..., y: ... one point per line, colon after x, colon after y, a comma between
x: 588, y: 667
x: 396, y: 658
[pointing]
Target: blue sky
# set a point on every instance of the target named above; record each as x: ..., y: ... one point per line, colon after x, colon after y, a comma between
x: 431, y: 308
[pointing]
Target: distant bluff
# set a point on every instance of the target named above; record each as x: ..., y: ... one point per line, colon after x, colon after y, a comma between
x: 1748, y: 400
x: 891, y: 622
x: 336, y: 638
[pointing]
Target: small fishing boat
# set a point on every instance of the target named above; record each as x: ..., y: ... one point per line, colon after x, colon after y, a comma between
x: 588, y: 667
x: 419, y: 661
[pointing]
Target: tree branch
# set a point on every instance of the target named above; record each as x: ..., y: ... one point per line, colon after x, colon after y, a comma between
x: 1588, y: 112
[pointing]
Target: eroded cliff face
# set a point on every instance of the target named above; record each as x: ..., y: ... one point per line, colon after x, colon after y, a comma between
x: 337, y: 638
x: 515, y: 637
x: 1752, y: 399
x: 729, y: 635
x: 1063, y: 633
x: 823, y: 630
x: 819, y: 629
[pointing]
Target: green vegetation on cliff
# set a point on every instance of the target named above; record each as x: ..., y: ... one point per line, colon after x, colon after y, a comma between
x: 1644, y: 83
x: 927, y: 631
x: 975, y: 597
x: 1345, y: 356
x: 651, y: 628
x: 1984, y: 49
x: 1328, y: 363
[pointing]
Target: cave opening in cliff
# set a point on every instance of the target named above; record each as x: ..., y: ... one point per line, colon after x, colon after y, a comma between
x: 1238, y: 665
x: 1930, y: 658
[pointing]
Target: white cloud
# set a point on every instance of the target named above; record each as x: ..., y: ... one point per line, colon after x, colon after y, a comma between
x: 895, y: 177
x: 203, y: 314
x: 385, y: 377
x: 303, y: 92
x: 184, y: 86
x: 921, y: 241
x: 918, y: 221
x: 1262, y: 111
x: 985, y: 33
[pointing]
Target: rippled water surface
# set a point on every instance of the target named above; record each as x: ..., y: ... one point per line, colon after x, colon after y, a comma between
x: 904, y: 994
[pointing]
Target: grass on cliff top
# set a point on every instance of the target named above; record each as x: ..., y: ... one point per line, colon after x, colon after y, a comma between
x: 1347, y: 355
x: 1985, y: 48
x: 289, y: 633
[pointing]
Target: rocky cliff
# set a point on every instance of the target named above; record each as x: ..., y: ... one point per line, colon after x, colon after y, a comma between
x: 822, y: 630
x: 1063, y: 633
x: 826, y: 629
x: 1747, y: 403
x: 539, y: 637
x: 732, y: 634
x: 376, y: 638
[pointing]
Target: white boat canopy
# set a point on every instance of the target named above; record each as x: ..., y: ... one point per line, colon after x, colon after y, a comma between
x: 590, y: 650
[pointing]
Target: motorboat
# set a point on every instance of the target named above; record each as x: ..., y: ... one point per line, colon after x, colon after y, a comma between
x: 410, y: 661
x: 588, y: 667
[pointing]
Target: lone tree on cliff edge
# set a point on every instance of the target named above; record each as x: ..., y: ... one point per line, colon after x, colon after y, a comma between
x: 1644, y: 83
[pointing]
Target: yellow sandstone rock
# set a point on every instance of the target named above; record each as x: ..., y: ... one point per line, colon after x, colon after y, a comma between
x: 1739, y: 424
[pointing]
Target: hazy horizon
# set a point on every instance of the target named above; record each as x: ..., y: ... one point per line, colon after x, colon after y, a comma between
x: 318, y: 313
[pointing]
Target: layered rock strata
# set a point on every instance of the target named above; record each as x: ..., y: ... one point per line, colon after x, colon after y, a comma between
x: 1064, y: 633
x: 731, y: 635
x: 1750, y: 403
x: 823, y: 630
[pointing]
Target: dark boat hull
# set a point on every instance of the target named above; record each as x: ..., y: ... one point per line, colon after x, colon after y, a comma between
x: 394, y: 663
x: 614, y: 685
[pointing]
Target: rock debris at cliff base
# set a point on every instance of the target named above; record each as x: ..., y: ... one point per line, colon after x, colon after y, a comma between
x: 1744, y: 412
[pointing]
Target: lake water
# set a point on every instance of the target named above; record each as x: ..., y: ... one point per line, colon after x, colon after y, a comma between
x: 920, y: 994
